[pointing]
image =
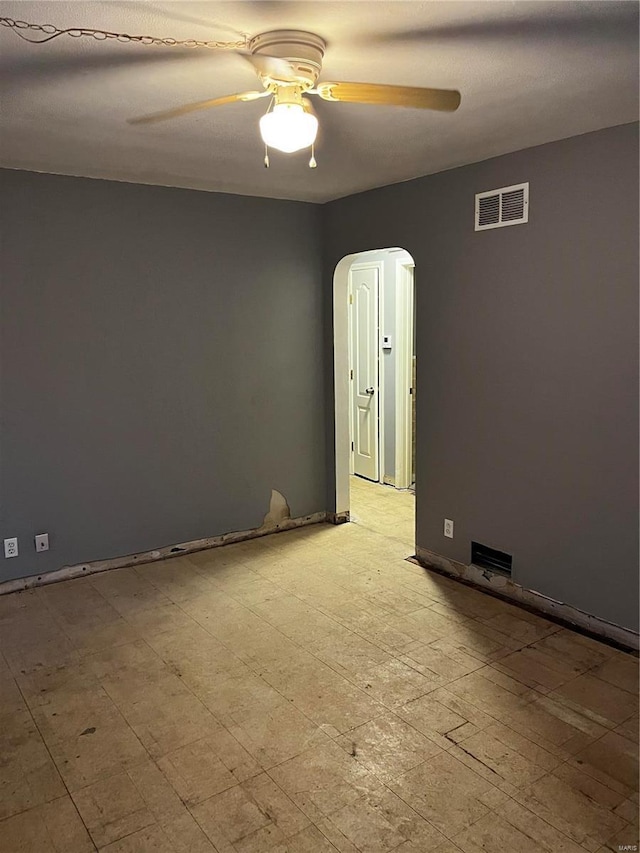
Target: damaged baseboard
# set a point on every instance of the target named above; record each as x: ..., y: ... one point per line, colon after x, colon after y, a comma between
x: 338, y: 517
x: 504, y: 587
x: 275, y: 522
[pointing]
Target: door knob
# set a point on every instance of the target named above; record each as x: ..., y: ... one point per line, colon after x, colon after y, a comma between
x: 370, y: 391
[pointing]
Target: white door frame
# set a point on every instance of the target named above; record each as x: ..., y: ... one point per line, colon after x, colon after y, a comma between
x: 341, y: 382
x: 404, y: 370
x: 379, y: 434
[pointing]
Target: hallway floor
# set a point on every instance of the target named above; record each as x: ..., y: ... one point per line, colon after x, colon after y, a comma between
x: 384, y: 510
x: 308, y: 692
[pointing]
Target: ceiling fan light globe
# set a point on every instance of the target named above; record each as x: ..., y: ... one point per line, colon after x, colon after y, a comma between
x: 288, y: 128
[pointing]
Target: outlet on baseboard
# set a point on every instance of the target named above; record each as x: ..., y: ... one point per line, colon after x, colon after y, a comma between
x: 42, y: 542
x: 11, y: 547
x: 448, y: 528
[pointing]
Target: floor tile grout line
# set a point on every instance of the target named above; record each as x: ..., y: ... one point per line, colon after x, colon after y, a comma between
x: 120, y: 712
x: 260, y: 616
x: 209, y: 711
x: 199, y: 700
x: 332, y: 616
x: 255, y: 672
x: 485, y: 665
x: 188, y: 687
x: 391, y: 710
x: 561, y: 761
x: 557, y: 829
x: 490, y: 808
x: 53, y: 761
x: 496, y: 721
x: 278, y: 629
x: 564, y: 761
x: 150, y: 758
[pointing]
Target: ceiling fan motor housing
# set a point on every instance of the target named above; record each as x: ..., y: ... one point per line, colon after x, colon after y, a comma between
x: 303, y: 51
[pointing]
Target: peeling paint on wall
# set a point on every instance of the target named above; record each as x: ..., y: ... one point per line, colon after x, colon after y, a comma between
x: 278, y: 510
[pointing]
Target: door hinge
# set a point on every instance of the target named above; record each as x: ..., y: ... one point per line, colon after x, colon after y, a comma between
x: 351, y: 299
x: 411, y: 390
x: 352, y: 447
x: 351, y: 374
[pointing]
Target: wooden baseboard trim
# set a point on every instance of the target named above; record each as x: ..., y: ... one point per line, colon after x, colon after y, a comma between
x: 503, y: 587
x: 81, y: 569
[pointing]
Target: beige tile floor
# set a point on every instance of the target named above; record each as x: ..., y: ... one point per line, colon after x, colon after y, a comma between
x: 308, y: 692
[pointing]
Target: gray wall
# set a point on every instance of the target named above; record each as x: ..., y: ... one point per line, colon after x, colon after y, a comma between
x: 161, y: 365
x: 527, y: 362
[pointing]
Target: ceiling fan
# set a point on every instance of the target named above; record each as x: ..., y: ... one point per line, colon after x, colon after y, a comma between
x: 288, y: 63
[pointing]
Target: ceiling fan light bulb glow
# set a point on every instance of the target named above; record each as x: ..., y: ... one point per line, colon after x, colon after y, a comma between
x: 288, y: 128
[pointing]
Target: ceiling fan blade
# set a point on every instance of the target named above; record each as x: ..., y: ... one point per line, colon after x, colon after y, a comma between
x: 446, y: 100
x: 48, y: 68
x: 582, y: 22
x: 271, y: 66
x: 198, y: 105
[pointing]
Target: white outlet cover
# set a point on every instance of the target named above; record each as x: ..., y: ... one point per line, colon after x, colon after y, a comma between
x: 448, y: 528
x: 42, y: 542
x: 11, y: 547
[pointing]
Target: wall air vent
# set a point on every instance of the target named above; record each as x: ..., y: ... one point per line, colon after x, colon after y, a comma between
x: 506, y: 206
x: 489, y: 558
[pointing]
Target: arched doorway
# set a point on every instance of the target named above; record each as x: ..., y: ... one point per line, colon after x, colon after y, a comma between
x: 386, y: 277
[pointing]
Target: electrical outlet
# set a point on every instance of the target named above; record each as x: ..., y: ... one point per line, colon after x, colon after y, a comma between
x: 448, y: 528
x: 42, y: 542
x: 11, y: 547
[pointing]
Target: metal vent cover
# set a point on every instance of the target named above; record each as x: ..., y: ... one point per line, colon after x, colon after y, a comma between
x: 505, y: 206
x: 490, y: 558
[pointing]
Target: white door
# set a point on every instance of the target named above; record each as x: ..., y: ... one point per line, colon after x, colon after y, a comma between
x: 364, y: 354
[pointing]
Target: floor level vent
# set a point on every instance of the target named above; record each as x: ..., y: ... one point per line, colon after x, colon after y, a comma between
x: 489, y: 558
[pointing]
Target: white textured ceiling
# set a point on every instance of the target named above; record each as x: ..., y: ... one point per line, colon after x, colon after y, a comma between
x: 529, y: 73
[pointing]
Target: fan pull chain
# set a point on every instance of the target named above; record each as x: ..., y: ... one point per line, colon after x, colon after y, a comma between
x: 266, y: 156
x: 49, y: 32
x: 312, y: 162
